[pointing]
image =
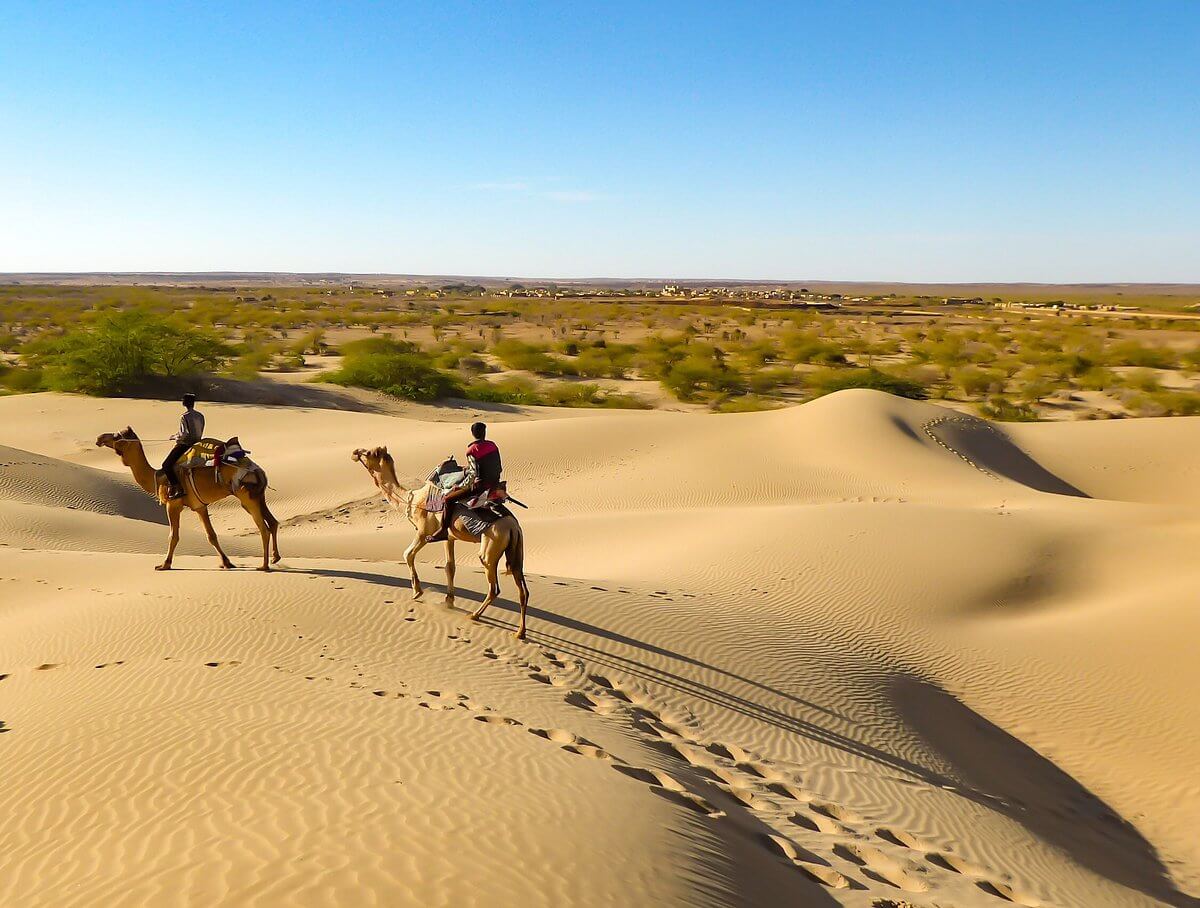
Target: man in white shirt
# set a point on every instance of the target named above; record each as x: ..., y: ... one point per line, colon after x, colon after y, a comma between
x: 191, y: 430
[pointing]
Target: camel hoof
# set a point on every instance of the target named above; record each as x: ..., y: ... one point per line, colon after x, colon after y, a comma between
x: 520, y: 635
x: 227, y: 566
x: 474, y: 616
x: 276, y: 560
x: 162, y: 567
x: 418, y: 594
x: 266, y: 569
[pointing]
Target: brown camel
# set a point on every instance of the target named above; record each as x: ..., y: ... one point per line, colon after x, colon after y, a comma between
x: 201, y: 489
x: 504, y: 537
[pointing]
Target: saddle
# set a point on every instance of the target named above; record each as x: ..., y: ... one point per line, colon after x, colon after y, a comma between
x: 214, y: 453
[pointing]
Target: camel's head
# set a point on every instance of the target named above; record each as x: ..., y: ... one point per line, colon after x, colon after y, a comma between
x: 372, y: 458
x: 121, y: 441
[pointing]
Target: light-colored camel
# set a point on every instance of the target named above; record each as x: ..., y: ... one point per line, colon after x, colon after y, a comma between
x: 504, y: 537
x: 201, y: 489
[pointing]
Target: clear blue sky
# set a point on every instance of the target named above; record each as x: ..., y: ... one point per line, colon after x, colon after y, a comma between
x: 894, y: 141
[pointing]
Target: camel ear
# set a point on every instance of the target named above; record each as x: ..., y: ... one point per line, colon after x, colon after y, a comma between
x: 383, y: 449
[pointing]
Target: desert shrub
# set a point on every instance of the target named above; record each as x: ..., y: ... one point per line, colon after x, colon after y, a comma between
x: 249, y: 363
x: 827, y: 381
x: 1142, y: 380
x: 20, y: 380
x: 1096, y: 379
x: 702, y: 370
x: 571, y: 394
x: 744, y: 403
x: 973, y: 381
x: 125, y: 351
x: 394, y: 367
x: 809, y: 347
x: 764, y: 381
x: 1132, y: 353
x: 1175, y: 403
x: 513, y: 389
x: 1000, y: 408
x: 517, y: 354
x: 9, y: 343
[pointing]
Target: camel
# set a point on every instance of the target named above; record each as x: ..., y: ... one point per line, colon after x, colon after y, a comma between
x: 201, y: 490
x: 504, y: 537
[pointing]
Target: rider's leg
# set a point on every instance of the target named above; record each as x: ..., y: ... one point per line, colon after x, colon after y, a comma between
x: 443, y: 532
x: 173, y: 484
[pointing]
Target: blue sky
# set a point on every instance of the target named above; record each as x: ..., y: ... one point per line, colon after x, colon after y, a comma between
x: 955, y: 141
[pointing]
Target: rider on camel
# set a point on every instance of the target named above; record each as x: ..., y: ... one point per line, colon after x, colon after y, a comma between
x: 484, y: 464
x: 191, y: 430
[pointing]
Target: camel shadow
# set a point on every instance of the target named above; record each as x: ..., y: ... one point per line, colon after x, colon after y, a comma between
x: 990, y: 767
x: 1026, y: 787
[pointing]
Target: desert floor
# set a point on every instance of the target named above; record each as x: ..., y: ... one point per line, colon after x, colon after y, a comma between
x: 862, y: 652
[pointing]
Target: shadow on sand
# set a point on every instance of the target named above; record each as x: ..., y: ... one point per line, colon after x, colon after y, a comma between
x: 1023, y: 785
x: 991, y: 768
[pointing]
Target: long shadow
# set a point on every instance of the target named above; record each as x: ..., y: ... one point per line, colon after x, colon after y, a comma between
x: 993, y: 769
x: 723, y: 699
x: 995, y: 452
x: 1031, y: 790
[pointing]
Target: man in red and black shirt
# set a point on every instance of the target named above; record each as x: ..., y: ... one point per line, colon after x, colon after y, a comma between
x: 483, y: 460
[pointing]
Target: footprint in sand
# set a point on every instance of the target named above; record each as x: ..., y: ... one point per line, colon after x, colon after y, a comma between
x: 2, y: 677
x: 826, y: 876
x: 835, y: 812
x: 611, y: 689
x: 558, y: 735
x: 492, y: 719
x: 953, y: 862
x: 901, y: 838
x: 882, y: 867
x: 580, y: 700
x: 657, y: 779
x: 790, y: 850
x: 107, y: 664
x: 221, y: 664
x: 590, y: 750
x: 46, y: 666
x: 789, y: 791
x: 1004, y: 891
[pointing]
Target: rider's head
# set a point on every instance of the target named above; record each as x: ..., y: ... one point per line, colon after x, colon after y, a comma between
x: 189, y: 400
x: 479, y: 431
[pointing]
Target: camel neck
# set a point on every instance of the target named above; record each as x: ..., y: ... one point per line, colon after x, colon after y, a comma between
x: 143, y: 473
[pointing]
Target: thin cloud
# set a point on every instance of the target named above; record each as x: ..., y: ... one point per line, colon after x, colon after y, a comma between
x: 574, y: 196
x: 511, y: 186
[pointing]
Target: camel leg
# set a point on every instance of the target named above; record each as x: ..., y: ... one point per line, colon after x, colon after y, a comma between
x: 490, y: 549
x: 273, y: 526
x: 410, y: 558
x: 173, y: 510
x: 450, y: 570
x: 518, y: 575
x: 256, y: 508
x: 202, y: 513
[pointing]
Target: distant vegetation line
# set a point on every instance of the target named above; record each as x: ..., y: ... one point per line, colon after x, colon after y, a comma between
x: 537, y: 345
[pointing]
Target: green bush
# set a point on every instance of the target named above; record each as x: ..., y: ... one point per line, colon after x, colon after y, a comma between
x: 827, y: 381
x: 125, y: 351
x: 745, y: 403
x: 809, y: 347
x: 527, y: 357
x: 510, y: 390
x: 1000, y: 408
x: 394, y: 367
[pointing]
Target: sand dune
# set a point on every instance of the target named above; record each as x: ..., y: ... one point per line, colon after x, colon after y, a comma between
x: 863, y: 652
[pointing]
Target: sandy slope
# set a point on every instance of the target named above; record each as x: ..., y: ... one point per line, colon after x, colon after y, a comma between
x: 857, y: 651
